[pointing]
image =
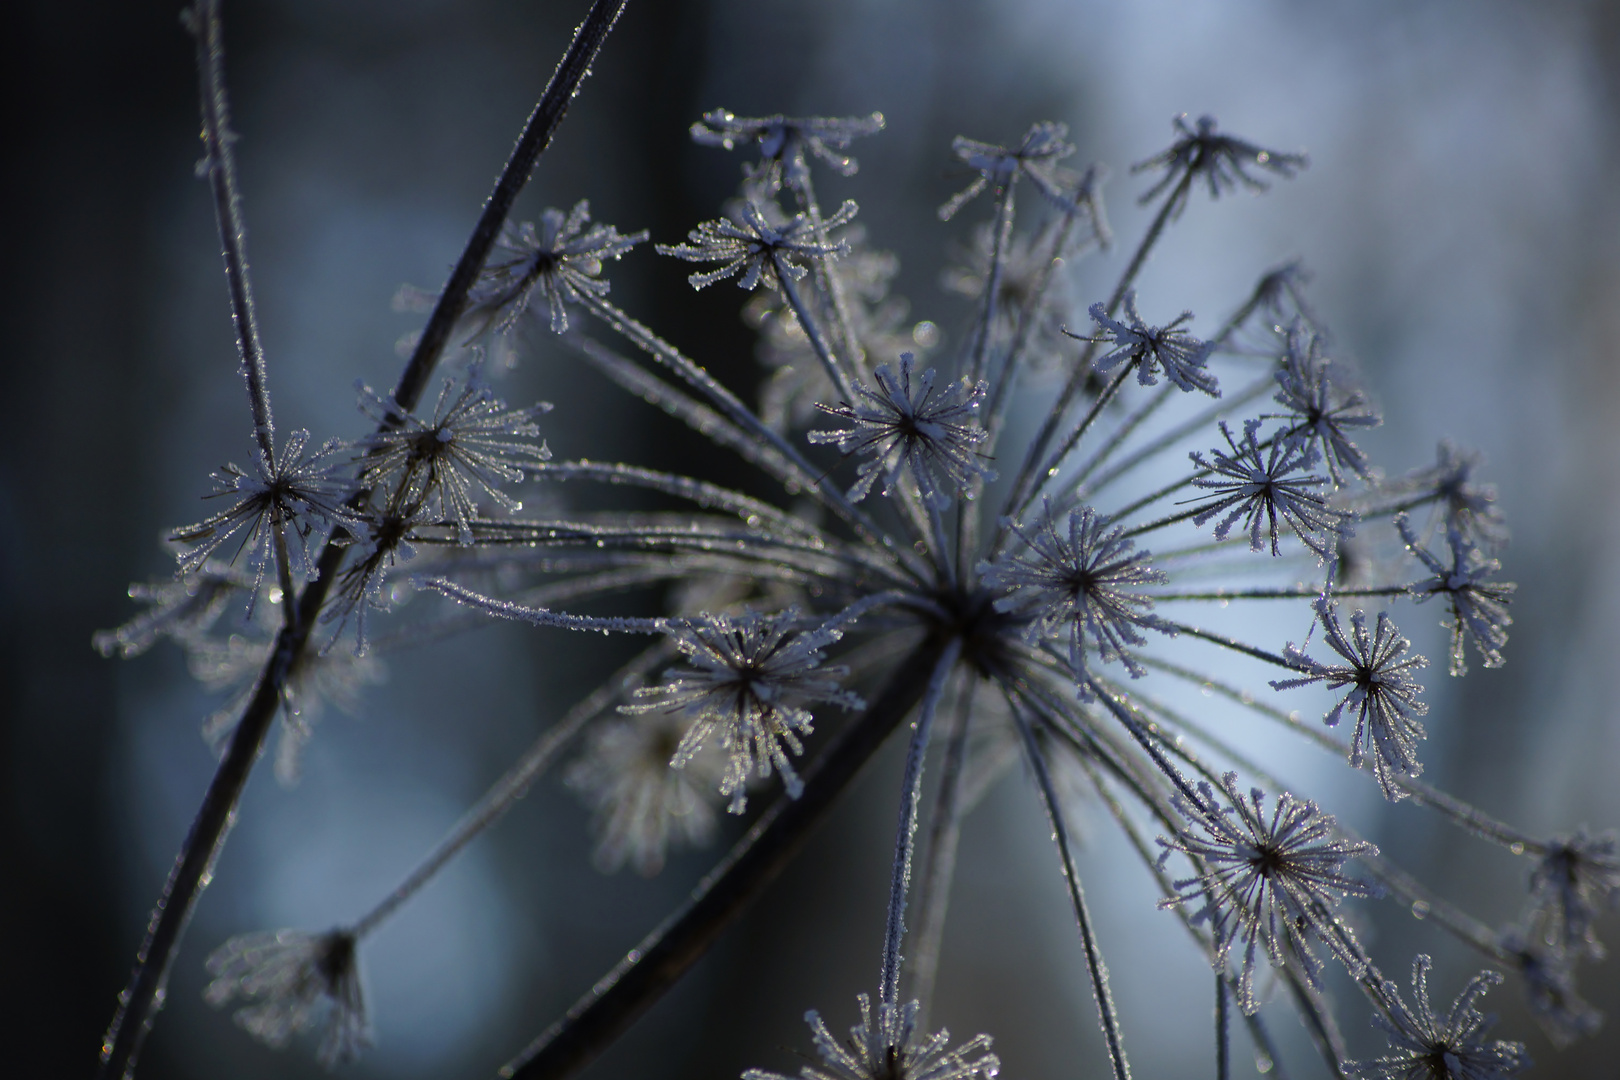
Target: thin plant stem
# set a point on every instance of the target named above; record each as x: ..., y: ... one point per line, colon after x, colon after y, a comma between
x: 1077, y: 897
x: 894, y: 927
x: 853, y: 353
x: 663, y: 956
x: 939, y: 858
x: 191, y: 871
x: 812, y: 329
x: 1223, y: 1035
x: 992, y: 281
x: 220, y: 164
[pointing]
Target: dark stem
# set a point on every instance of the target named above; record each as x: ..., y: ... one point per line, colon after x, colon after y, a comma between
x: 1223, y: 1033
x: 221, y: 165
x: 139, y: 1003
x: 664, y: 955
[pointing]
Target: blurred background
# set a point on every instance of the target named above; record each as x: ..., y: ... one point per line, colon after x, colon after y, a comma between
x: 1459, y: 215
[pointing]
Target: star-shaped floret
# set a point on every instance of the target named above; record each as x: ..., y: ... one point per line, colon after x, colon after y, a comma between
x: 642, y: 806
x: 1036, y: 157
x: 1078, y: 585
x: 1548, y: 973
x: 275, y: 503
x: 1426, y: 1047
x: 1180, y: 355
x: 911, y: 428
x: 1382, y: 695
x: 291, y: 982
x: 1273, y: 883
x: 1321, y: 409
x: 749, y: 677
x: 891, y: 1050
x: 757, y: 249
x: 558, y: 257
x: 1478, y: 605
x: 1221, y: 160
x: 469, y: 445
x: 1576, y: 880
x: 782, y: 142
x: 1259, y: 484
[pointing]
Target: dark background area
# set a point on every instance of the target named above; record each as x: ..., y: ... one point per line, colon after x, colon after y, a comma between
x: 1461, y: 217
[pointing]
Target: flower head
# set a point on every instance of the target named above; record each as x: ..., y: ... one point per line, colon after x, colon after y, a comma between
x: 1478, y: 605
x: 1320, y: 410
x: 749, y: 677
x: 1036, y: 157
x: 1382, y: 695
x: 1273, y: 883
x: 276, y: 503
x: 1258, y: 485
x: 783, y: 141
x: 291, y: 982
x: 558, y: 257
x: 642, y: 805
x: 756, y: 248
x: 911, y: 429
x: 470, y: 444
x: 1426, y: 1047
x: 1150, y: 348
x: 1078, y: 585
x: 1576, y: 880
x: 1549, y: 988
x: 1221, y: 161
x: 890, y: 1050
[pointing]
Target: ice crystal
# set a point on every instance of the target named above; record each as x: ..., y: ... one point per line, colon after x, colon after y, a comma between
x: 642, y: 805
x: 1382, y: 696
x: 292, y: 982
x: 890, y: 1049
x: 911, y: 429
x: 749, y: 677
x: 783, y: 140
x: 1257, y: 485
x: 179, y: 608
x: 1267, y: 883
x: 1426, y: 1047
x: 1222, y: 161
x: 1478, y: 605
x: 285, y: 502
x: 471, y: 444
x: 1035, y: 157
x: 1078, y: 585
x: 1575, y: 881
x: 758, y: 250
x: 1181, y: 356
x: 1320, y: 408
x: 558, y: 257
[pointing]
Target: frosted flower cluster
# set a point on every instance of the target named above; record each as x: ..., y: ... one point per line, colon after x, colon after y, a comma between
x: 1021, y: 545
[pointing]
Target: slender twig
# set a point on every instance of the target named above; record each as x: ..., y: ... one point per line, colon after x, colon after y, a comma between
x: 137, y: 1004
x: 894, y: 927
x: 654, y: 965
x: 1077, y: 896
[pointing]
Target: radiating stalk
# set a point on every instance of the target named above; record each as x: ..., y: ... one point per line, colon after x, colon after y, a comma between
x: 1106, y: 1012
x: 939, y: 858
x: 894, y: 927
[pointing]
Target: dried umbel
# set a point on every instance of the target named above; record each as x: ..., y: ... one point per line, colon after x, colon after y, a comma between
x: 990, y: 611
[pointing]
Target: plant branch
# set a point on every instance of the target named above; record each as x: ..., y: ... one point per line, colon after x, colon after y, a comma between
x: 138, y: 1004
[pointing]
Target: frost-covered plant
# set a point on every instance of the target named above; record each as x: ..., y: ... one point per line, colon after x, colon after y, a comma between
x: 1013, y: 601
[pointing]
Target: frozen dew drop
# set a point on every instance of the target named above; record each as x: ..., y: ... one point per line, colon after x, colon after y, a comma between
x: 1516, y: 847
x: 926, y: 334
x: 1420, y: 909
